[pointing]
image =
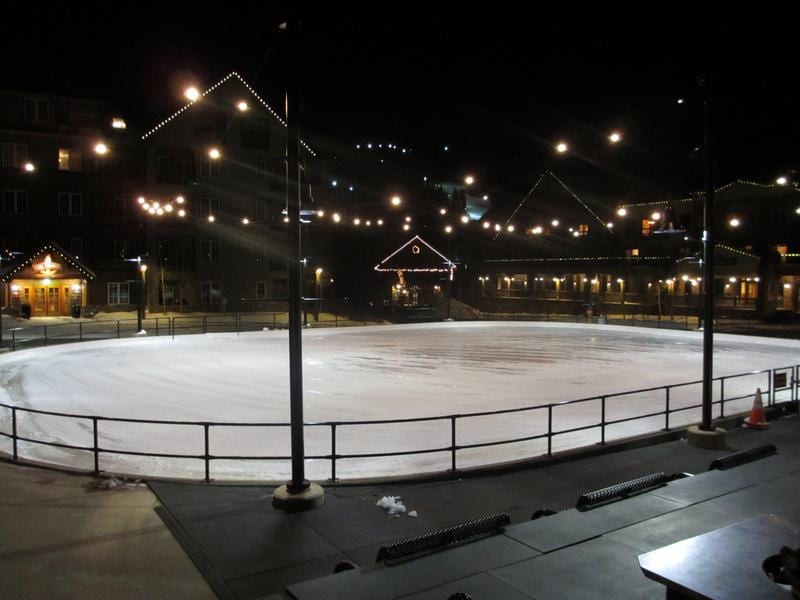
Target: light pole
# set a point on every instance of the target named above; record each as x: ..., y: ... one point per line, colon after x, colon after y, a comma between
x: 299, y: 493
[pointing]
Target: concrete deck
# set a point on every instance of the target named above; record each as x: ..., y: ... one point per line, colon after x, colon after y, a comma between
x: 61, y: 538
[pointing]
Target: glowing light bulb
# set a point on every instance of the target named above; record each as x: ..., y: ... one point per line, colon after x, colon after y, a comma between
x: 622, y: 212
x: 192, y: 93
x: 561, y: 147
x: 242, y: 106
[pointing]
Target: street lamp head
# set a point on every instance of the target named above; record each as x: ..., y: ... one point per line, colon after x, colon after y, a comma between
x: 396, y: 200
x: 242, y: 106
x: 30, y: 167
x: 465, y: 219
x: 192, y: 93
x: 181, y: 213
x: 622, y: 211
x: 100, y: 148
x: 615, y: 137
x: 245, y: 221
x: 781, y: 180
x: 211, y: 218
x: 140, y: 200
x: 734, y: 222
x: 554, y: 222
x: 469, y: 180
x: 180, y: 200
x: 561, y: 147
x: 448, y: 229
x: 214, y: 153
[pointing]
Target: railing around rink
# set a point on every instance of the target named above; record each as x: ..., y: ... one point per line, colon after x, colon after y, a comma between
x: 63, y: 333
x: 782, y: 379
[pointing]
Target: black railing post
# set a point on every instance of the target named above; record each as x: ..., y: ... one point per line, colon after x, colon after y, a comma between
x: 205, y: 324
x: 117, y: 329
x: 549, y: 430
x: 721, y: 397
x: 333, y: 452
x: 80, y: 331
x: 14, y: 431
x: 45, y: 335
x: 769, y: 389
x: 156, y: 326
x: 206, y: 458
x: 95, y: 449
x: 13, y: 340
x: 666, y: 412
x: 453, y: 443
x: 603, y: 420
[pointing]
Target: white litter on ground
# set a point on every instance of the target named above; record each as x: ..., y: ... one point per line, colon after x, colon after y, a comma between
x: 392, y: 505
x: 413, y: 514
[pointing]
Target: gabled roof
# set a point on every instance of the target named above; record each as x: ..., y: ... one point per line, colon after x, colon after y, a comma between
x: 522, y: 210
x: 737, y: 189
x: 232, y: 75
x: 416, y: 255
x: 49, y: 248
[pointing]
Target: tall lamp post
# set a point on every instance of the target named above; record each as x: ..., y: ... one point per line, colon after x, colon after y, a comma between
x: 298, y: 493
x: 705, y: 435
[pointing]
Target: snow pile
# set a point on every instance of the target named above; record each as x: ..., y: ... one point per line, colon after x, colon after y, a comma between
x: 394, y: 506
x: 113, y: 483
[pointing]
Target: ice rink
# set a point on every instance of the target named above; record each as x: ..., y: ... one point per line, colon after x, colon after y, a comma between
x: 364, y: 373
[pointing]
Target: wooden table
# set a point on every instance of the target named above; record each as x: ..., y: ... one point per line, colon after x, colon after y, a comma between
x: 726, y: 563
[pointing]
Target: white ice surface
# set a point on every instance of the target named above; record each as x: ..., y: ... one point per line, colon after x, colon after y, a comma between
x: 368, y: 373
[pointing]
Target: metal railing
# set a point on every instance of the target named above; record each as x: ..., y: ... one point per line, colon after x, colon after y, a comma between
x: 778, y: 381
x: 63, y: 333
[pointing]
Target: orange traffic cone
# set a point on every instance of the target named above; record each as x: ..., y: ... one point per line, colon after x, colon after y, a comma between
x: 757, y: 420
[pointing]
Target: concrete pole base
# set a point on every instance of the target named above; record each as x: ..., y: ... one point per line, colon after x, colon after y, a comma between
x: 708, y: 440
x: 311, y: 497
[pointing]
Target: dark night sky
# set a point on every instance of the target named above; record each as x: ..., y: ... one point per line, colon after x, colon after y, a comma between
x: 497, y: 87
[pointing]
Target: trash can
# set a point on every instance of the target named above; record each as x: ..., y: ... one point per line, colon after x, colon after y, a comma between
x: 25, y: 311
x: 76, y: 311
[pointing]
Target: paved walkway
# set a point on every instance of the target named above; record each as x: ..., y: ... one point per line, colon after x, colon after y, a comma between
x: 60, y: 537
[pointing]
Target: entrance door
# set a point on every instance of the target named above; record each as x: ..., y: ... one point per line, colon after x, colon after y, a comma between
x: 53, y: 301
x: 39, y: 307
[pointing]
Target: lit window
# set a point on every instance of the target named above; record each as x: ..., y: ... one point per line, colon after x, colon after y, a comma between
x: 69, y: 159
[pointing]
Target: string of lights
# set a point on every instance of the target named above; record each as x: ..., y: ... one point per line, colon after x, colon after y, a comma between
x: 204, y: 94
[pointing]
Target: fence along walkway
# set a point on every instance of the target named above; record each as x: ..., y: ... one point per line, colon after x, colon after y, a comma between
x: 779, y: 385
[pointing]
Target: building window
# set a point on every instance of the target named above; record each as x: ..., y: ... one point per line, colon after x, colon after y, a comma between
x: 254, y: 136
x: 162, y: 165
x: 210, y: 292
x: 647, y: 226
x: 261, y: 169
x: 632, y: 252
x: 277, y: 178
x: 15, y: 202
x: 69, y: 159
x: 69, y: 204
x: 782, y: 249
x: 37, y: 111
x: 261, y: 211
x: 209, y: 206
x: 76, y: 247
x: 118, y: 206
x: 583, y: 229
x: 15, y: 155
x: 209, y: 250
x: 119, y: 292
x: 261, y: 290
x: 209, y: 167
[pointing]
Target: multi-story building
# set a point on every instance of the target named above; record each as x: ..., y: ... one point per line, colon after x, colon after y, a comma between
x: 68, y: 166
x: 569, y: 254
x: 198, y: 199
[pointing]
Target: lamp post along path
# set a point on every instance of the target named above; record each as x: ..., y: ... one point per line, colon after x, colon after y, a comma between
x: 297, y: 494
